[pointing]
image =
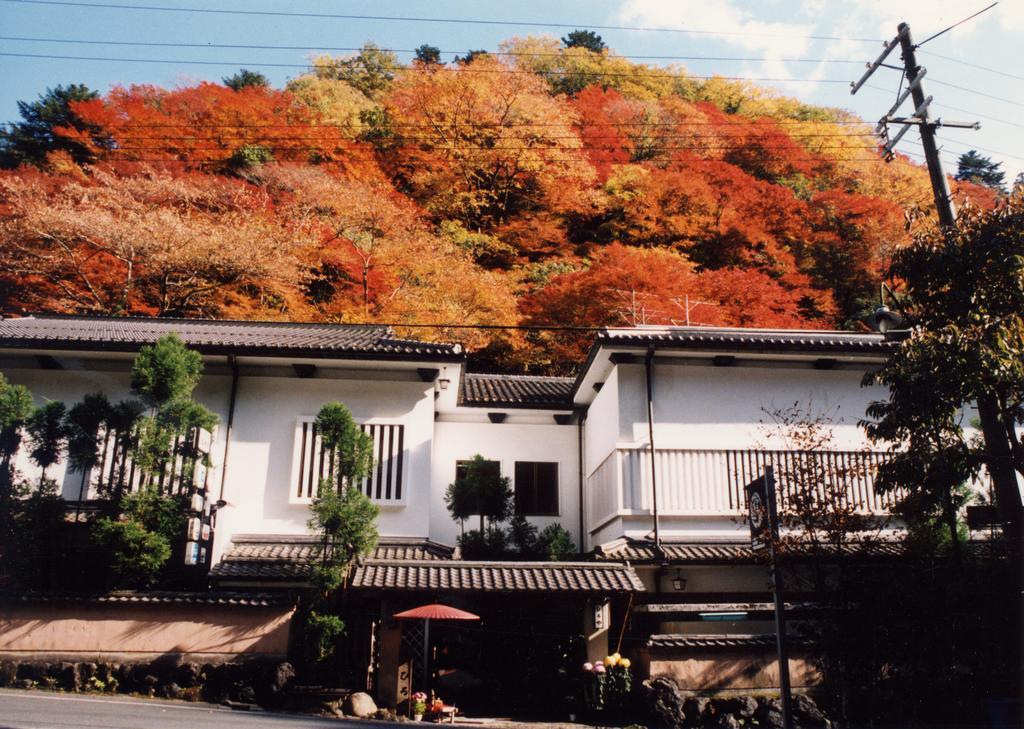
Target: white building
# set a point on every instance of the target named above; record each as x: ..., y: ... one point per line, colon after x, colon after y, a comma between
x: 579, y: 451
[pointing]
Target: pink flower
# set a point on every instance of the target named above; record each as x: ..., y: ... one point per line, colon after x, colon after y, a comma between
x: 599, y: 668
x: 588, y: 666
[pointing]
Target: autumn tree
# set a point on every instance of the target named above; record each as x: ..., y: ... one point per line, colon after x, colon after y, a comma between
x: 570, y: 69
x: 480, y: 143
x: 202, y: 126
x: 154, y: 244
x: 370, y: 71
x: 379, y: 260
x: 38, y: 134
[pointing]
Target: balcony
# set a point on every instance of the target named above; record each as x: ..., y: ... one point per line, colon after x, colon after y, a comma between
x: 711, y: 482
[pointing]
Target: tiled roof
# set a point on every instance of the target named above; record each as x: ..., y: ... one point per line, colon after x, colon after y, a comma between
x: 736, y: 640
x: 218, y: 337
x: 245, y: 599
x: 758, y: 340
x: 288, y: 557
x: 516, y: 391
x: 458, y: 575
x: 634, y: 550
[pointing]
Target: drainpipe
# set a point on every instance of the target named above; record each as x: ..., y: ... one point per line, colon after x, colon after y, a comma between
x: 233, y: 363
x: 581, y: 419
x: 649, y: 370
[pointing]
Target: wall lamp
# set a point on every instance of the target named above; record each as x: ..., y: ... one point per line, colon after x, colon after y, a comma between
x: 679, y: 582
x: 443, y: 381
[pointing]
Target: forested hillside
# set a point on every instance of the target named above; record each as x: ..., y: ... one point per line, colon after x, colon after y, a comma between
x: 554, y: 183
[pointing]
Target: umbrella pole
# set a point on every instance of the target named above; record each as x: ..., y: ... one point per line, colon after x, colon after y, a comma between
x: 426, y: 654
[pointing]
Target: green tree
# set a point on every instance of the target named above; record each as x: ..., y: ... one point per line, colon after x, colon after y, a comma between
x: 32, y: 139
x: 555, y: 543
x: 471, y: 55
x: 343, y: 517
x: 428, y: 55
x: 47, y: 432
x: 977, y: 168
x: 585, y: 39
x: 371, y: 70
x: 15, y: 408
x: 965, y: 301
x: 166, y: 371
x: 84, y: 423
x: 244, y: 79
x: 480, y: 489
x: 135, y: 554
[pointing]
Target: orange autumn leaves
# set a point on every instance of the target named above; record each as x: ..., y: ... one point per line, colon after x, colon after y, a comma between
x: 477, y: 193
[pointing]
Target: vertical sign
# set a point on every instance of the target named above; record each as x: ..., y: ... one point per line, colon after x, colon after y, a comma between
x: 200, y: 528
x: 764, y: 534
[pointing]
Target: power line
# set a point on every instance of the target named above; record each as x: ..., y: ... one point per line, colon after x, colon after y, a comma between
x: 974, y: 65
x: 511, y: 54
x: 956, y: 24
x: 410, y: 19
x: 978, y: 93
x: 264, y: 64
x: 503, y: 125
x: 955, y: 108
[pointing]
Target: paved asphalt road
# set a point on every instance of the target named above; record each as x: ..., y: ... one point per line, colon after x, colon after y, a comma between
x: 44, y: 710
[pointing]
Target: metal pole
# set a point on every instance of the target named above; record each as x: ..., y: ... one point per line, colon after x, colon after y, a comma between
x: 648, y: 367
x: 426, y: 654
x: 940, y: 186
x: 780, y: 605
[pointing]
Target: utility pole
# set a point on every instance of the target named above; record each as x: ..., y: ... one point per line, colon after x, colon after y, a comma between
x: 915, y: 74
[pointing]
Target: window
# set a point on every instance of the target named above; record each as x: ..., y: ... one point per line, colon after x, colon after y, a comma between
x: 536, y: 488
x: 382, y: 485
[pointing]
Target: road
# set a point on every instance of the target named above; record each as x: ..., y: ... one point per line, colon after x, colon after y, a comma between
x: 43, y: 710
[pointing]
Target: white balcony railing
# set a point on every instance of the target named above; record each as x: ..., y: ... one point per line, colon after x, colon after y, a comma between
x: 711, y: 482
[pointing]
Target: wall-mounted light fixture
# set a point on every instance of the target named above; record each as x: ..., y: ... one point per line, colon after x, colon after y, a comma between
x: 443, y: 381
x: 679, y: 582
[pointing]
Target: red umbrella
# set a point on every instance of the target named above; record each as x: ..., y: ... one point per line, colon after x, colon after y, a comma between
x: 436, y: 612
x: 426, y: 613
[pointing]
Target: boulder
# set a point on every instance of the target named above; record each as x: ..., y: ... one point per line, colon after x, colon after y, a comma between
x: 247, y: 695
x: 807, y: 713
x: 69, y: 676
x: 170, y: 690
x: 664, y: 702
x: 8, y: 673
x: 742, y: 707
x: 697, y: 708
x: 726, y: 721
x: 359, y: 704
x: 769, y: 713
x: 278, y: 679
x: 189, y: 674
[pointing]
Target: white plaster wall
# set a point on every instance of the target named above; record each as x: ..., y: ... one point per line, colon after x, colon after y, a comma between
x: 602, y: 428
x: 258, y: 484
x: 507, y: 443
x: 724, y: 407
x: 70, y: 385
x: 258, y: 481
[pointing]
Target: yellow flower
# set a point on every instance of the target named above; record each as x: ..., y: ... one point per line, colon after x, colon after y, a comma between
x: 625, y: 663
x: 611, y: 660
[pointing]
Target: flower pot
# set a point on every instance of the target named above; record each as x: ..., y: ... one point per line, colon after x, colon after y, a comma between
x: 417, y: 717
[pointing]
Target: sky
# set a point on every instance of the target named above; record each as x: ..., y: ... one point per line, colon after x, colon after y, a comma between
x: 810, y: 48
